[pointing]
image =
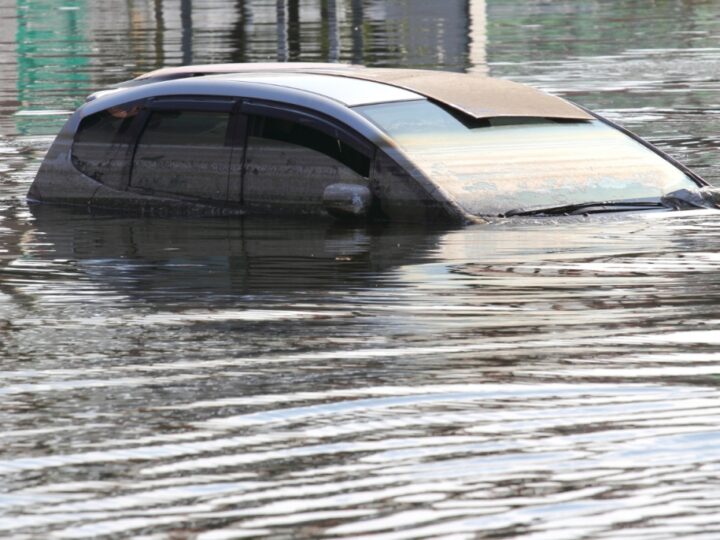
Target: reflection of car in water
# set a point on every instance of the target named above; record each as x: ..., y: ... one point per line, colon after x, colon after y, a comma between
x: 386, y: 144
x: 167, y: 259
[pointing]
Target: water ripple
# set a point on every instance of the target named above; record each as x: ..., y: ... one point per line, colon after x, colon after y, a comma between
x: 236, y: 378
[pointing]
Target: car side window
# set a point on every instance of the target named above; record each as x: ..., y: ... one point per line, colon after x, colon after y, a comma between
x: 288, y: 164
x: 100, y: 149
x: 184, y: 152
x: 186, y: 128
x: 288, y: 131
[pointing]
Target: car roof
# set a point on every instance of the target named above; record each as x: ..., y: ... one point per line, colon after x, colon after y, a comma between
x: 474, y: 95
x: 247, y: 67
x: 348, y: 91
x: 328, y: 94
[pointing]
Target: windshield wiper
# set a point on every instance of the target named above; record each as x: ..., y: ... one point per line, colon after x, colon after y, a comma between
x: 600, y: 207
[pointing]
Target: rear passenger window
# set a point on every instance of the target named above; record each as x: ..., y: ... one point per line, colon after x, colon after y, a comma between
x: 299, y: 134
x: 183, y: 152
x: 100, y: 149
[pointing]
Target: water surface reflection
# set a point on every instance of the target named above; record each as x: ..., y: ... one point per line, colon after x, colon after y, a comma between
x: 228, y: 378
x: 524, y: 377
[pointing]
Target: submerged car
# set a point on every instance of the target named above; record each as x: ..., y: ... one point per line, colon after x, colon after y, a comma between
x: 385, y: 144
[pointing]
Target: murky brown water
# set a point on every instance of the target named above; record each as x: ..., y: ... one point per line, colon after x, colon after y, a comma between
x: 224, y: 378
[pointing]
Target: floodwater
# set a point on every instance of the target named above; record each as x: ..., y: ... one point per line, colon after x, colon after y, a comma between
x: 225, y: 378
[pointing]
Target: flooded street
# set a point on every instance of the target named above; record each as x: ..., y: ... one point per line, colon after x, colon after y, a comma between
x: 218, y: 378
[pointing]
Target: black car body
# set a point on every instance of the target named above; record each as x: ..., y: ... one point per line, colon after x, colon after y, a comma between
x: 386, y: 144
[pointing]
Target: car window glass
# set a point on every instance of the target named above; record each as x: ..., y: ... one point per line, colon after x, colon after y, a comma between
x: 494, y: 166
x: 99, y: 149
x: 100, y: 127
x: 289, y: 164
x: 279, y: 129
x: 188, y: 128
x: 185, y: 153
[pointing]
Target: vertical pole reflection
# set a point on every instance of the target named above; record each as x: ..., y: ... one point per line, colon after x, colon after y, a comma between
x: 356, y: 14
x: 239, y: 35
x: 8, y: 59
x: 478, y: 37
x: 159, y: 34
x: 282, y: 32
x: 330, y: 30
x: 293, y: 26
x: 186, y: 24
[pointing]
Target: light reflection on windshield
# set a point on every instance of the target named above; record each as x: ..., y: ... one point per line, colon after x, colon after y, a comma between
x: 505, y: 164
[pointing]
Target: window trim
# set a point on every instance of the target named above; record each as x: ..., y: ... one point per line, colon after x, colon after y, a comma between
x: 192, y: 103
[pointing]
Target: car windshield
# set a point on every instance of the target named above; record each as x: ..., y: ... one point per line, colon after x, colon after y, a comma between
x: 493, y: 166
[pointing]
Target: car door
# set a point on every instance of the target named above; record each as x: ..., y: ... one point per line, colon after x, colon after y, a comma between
x: 292, y: 155
x: 185, y: 149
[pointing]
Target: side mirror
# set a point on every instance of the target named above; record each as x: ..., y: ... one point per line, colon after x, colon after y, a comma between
x: 347, y: 200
